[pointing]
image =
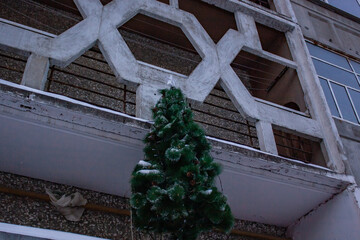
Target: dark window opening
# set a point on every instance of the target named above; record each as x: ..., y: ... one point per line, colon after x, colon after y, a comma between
x: 297, y: 147
x: 160, y: 44
x: 215, y: 21
x: 220, y: 119
x: 90, y: 79
x: 293, y: 106
x: 273, y: 41
x: 269, y: 80
x: 264, y: 3
x: 164, y: 1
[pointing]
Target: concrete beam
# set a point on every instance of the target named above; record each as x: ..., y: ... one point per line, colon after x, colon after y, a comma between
x: 151, y: 74
x: 285, y: 8
x: 315, y: 99
x: 205, y: 76
x: 89, y: 7
x: 21, y: 38
x: 146, y: 99
x: 227, y: 49
x: 271, y: 57
x: 119, y: 57
x: 266, y: 137
x: 239, y: 95
x: 72, y: 43
x: 246, y: 26
x: 314, y: 95
x: 291, y: 121
x: 265, y: 17
x: 36, y: 71
x: 174, y: 3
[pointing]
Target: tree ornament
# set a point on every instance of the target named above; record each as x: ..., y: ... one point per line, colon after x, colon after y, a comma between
x: 173, y: 189
x: 152, y: 137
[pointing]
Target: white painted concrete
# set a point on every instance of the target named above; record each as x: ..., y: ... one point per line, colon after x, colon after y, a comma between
x: 266, y: 137
x: 98, y: 151
x: 40, y: 233
x: 36, y: 71
x: 101, y: 23
x: 336, y: 219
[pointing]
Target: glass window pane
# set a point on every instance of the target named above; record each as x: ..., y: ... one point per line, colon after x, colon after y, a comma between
x: 328, y: 56
x: 355, y: 96
x: 356, y: 66
x: 329, y: 97
x: 350, y: 6
x: 336, y: 74
x: 344, y: 102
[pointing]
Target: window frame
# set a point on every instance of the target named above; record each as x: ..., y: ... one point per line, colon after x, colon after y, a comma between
x: 347, y: 87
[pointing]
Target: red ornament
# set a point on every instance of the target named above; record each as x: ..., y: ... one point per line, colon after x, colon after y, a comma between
x: 189, y: 174
x: 192, y: 182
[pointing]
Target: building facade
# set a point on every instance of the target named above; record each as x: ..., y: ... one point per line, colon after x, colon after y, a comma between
x: 275, y: 84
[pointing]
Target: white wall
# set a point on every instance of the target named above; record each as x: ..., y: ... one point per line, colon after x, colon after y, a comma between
x: 337, y: 219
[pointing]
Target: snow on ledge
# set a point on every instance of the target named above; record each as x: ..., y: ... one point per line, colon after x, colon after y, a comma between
x: 43, y: 233
x: 257, y: 150
x: 67, y: 99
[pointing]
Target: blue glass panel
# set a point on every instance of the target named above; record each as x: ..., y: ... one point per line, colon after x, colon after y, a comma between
x: 356, y: 66
x: 350, y: 6
x: 355, y: 96
x: 336, y: 74
x: 329, y: 97
x: 343, y: 102
x: 328, y: 56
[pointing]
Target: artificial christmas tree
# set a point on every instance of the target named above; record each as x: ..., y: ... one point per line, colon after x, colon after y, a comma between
x: 173, y: 188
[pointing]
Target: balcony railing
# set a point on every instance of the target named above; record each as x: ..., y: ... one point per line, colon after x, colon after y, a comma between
x: 90, y: 79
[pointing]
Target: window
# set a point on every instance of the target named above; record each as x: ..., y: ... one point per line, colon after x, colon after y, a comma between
x: 349, y: 6
x: 340, y: 80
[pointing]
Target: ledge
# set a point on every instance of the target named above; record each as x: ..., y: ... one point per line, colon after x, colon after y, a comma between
x: 55, y: 138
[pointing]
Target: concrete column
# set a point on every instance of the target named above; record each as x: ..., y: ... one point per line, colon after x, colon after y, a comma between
x: 174, y: 3
x: 36, y: 70
x: 246, y: 26
x: 284, y: 7
x: 266, y: 137
x: 146, y: 98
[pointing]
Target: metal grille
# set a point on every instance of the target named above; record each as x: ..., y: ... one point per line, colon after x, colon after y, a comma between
x: 220, y: 119
x: 293, y: 146
x: 90, y: 79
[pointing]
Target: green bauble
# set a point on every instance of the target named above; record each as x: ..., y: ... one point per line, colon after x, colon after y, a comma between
x: 173, y: 189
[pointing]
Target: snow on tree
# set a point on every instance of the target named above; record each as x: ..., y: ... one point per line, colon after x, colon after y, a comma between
x: 173, y: 189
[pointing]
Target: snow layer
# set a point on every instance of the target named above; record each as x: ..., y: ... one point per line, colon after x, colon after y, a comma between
x: 149, y: 171
x: 144, y: 163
